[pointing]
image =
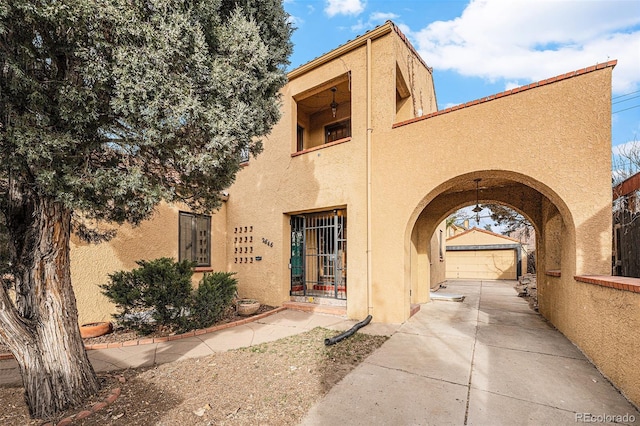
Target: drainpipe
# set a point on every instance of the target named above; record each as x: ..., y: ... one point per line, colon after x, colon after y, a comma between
x: 369, y: 130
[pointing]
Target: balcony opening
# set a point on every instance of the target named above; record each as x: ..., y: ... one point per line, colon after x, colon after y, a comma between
x: 324, y: 114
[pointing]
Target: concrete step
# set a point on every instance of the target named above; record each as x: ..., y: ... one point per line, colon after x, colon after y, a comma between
x: 340, y: 311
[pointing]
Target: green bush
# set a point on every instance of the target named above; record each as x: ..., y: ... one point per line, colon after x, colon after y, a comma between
x: 211, y: 298
x: 157, y: 294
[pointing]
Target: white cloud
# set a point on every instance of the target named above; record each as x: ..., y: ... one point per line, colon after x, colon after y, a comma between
x: 404, y: 28
x: 382, y: 16
x: 358, y: 26
x: 296, y: 21
x: 376, y: 18
x: 626, y: 148
x: 344, y: 7
x: 511, y: 85
x: 496, y: 39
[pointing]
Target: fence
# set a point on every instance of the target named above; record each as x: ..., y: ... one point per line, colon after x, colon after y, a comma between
x: 626, y: 239
x: 626, y: 228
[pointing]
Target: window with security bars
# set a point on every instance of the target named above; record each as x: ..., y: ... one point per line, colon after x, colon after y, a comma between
x: 195, y: 238
x: 244, y: 155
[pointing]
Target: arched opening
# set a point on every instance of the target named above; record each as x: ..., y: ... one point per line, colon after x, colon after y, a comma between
x: 490, y: 241
x: 545, y: 210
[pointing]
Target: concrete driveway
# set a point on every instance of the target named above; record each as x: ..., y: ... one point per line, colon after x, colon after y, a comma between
x: 489, y: 360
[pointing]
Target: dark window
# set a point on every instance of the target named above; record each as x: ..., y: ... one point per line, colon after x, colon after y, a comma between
x: 300, y: 136
x: 195, y: 238
x: 336, y: 131
x: 244, y: 155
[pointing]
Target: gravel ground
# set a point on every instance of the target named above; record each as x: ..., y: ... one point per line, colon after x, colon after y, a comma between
x: 273, y: 383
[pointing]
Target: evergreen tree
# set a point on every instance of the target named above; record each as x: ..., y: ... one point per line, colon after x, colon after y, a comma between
x: 510, y: 220
x: 106, y: 108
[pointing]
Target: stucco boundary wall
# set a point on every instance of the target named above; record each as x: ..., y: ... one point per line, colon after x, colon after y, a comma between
x: 602, y: 318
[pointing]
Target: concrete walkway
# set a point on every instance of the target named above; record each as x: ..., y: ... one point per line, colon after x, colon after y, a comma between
x: 489, y: 360
x: 277, y: 326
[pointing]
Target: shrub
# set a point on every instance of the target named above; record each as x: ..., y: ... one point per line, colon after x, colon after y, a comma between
x: 211, y: 298
x: 156, y: 294
x: 159, y: 294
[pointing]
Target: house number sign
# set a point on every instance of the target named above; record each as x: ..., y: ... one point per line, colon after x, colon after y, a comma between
x: 267, y: 242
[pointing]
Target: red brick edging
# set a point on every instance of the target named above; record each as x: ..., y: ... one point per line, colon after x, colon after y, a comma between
x: 115, y: 393
x: 193, y: 333
x: 620, y: 283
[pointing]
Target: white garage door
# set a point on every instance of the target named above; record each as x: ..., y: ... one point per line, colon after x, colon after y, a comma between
x: 482, y: 264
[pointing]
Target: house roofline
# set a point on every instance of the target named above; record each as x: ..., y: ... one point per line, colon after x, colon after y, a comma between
x: 359, y: 41
x: 627, y: 186
x: 609, y: 64
x: 468, y: 231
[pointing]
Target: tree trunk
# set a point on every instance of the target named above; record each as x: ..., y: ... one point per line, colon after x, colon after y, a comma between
x: 41, y: 328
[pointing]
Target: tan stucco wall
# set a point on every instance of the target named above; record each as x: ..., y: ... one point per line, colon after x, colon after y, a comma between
x: 157, y: 237
x: 604, y: 323
x: 437, y: 268
x: 277, y: 184
x: 465, y: 142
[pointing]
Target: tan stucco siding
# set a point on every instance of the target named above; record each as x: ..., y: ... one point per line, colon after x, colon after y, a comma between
x: 438, y: 263
x: 605, y: 324
x: 157, y: 237
x: 482, y: 138
x: 277, y: 184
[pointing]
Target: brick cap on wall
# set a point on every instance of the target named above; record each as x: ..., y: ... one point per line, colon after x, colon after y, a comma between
x: 511, y: 92
x: 620, y: 283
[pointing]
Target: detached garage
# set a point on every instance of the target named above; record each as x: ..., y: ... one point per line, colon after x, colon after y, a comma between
x: 480, y: 254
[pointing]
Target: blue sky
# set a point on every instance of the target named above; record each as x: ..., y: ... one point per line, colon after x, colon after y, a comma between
x: 481, y: 47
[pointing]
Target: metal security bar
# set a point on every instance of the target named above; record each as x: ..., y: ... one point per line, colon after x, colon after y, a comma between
x: 319, y: 255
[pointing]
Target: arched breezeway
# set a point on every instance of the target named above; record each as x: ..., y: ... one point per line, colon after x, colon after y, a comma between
x: 544, y: 152
x: 547, y: 213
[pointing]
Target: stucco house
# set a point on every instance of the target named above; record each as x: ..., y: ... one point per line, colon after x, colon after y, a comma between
x: 347, y: 203
x: 480, y: 254
x: 298, y: 223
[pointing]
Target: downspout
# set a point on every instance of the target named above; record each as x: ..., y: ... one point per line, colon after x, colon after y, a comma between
x: 369, y: 130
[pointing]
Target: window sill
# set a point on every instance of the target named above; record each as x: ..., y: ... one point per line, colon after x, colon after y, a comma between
x: 553, y: 273
x: 203, y: 269
x: 326, y: 145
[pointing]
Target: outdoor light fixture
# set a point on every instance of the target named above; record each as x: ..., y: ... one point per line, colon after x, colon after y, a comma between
x: 477, y: 209
x: 334, y: 104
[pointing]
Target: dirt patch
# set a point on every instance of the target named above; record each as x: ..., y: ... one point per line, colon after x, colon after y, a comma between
x: 274, y: 383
